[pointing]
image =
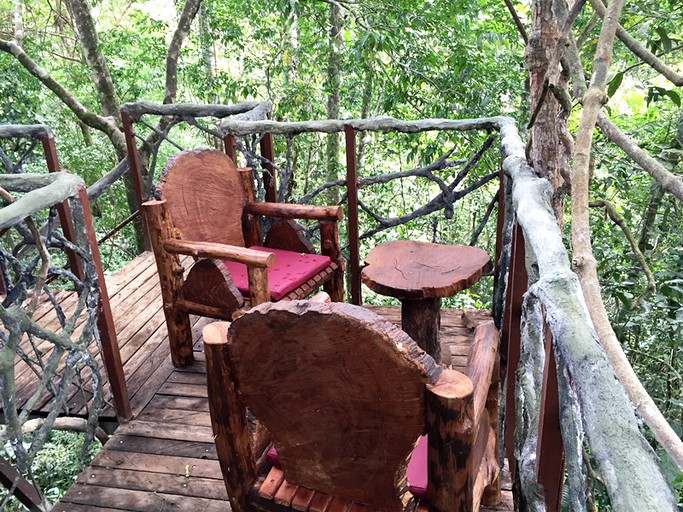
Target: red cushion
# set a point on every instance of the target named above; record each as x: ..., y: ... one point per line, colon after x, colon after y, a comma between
x: 291, y: 270
x: 416, y: 472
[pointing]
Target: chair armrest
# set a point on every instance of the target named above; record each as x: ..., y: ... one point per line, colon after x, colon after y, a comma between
x: 234, y: 253
x: 295, y: 211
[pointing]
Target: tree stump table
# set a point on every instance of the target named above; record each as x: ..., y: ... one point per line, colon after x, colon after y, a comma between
x: 419, y: 274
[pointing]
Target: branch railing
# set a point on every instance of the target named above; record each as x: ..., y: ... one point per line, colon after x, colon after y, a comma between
x: 54, y: 357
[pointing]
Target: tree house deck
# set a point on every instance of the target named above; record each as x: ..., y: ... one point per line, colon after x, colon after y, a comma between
x: 165, y: 458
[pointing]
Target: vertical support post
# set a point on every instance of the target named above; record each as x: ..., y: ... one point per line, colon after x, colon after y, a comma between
x: 63, y: 209
x: 251, y: 227
x: 518, y: 282
x: 105, y: 323
x: 491, y: 496
x: 228, y: 418
x: 550, y: 449
x: 269, y: 181
x: 449, y: 416
x: 352, y: 207
x: 329, y: 245
x: 135, y: 168
x: 171, y: 279
x: 258, y: 285
x: 229, y: 147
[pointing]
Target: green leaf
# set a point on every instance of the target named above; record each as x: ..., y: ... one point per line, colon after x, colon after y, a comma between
x: 614, y: 84
x: 673, y: 96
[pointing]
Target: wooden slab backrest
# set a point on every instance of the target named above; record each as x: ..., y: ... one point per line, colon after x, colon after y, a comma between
x: 204, y: 195
x: 341, y: 391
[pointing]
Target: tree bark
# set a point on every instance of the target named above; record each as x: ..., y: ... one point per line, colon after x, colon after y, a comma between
x: 584, y: 260
x: 186, y: 17
x: 333, y: 98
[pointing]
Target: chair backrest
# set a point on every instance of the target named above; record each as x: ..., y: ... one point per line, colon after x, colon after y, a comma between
x: 341, y: 391
x: 204, y: 195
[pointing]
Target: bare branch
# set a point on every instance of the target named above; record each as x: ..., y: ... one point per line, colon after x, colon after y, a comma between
x: 639, y: 50
x: 186, y: 17
x: 640, y: 257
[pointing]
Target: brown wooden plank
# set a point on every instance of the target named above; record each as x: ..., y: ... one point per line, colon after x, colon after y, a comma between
x: 166, y: 464
x: 63, y: 506
x: 180, y: 403
x: 174, y: 416
x: 155, y: 446
x: 163, y: 430
x: 320, y: 502
x: 285, y: 494
x: 272, y: 483
x: 339, y: 505
x: 189, y: 377
x: 302, y: 499
x: 154, y: 482
x: 173, y: 389
x: 126, y: 499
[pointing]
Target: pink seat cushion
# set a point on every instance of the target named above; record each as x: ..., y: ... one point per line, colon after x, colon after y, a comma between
x: 291, y: 270
x: 416, y: 472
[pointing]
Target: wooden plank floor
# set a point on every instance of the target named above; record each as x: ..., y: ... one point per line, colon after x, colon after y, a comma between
x: 165, y: 458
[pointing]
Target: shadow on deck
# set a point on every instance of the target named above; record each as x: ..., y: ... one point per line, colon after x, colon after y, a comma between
x: 165, y: 458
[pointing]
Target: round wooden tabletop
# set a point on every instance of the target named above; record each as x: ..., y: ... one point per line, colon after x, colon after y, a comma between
x: 407, y: 269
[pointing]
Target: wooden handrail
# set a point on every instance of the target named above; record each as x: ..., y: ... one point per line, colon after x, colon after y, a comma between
x: 295, y: 211
x: 234, y: 253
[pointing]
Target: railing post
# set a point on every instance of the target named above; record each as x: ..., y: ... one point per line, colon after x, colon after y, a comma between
x: 269, y: 180
x: 229, y: 147
x: 518, y: 283
x: 135, y: 168
x: 24, y: 491
x: 63, y: 209
x: 105, y: 322
x: 550, y: 449
x: 352, y: 207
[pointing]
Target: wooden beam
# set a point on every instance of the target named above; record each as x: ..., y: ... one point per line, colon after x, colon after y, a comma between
x: 352, y: 207
x: 26, y: 493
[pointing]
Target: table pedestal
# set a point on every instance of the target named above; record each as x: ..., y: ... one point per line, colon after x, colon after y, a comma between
x: 421, y: 319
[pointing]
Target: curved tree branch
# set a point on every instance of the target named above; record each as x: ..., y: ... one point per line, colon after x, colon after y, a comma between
x: 104, y: 124
x: 584, y: 260
x: 639, y: 50
x: 187, y: 16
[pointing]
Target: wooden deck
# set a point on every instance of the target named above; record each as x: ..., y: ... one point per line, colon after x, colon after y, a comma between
x: 165, y: 459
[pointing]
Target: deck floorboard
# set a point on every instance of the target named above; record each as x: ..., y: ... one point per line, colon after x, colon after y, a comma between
x: 165, y: 458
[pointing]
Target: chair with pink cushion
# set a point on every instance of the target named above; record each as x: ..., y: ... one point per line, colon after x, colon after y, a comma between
x: 346, y: 397
x: 206, y: 209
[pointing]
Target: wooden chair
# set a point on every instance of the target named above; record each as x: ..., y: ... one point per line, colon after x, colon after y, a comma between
x: 345, y: 395
x: 206, y: 209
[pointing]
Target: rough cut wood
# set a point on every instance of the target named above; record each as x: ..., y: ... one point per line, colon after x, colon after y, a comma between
x: 419, y: 273
x: 295, y: 211
x: 421, y: 319
x: 251, y: 227
x: 287, y: 235
x: 329, y: 246
x: 366, y: 411
x: 221, y: 251
x: 449, y: 426
x: 171, y: 271
x: 204, y: 196
x: 228, y: 417
x: 407, y: 269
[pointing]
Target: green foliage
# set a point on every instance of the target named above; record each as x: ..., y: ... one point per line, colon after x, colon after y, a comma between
x: 55, y: 467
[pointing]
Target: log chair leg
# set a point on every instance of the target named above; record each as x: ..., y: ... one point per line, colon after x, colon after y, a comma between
x: 160, y: 228
x: 329, y: 238
x: 449, y: 417
x: 228, y: 419
x: 258, y: 285
x: 421, y: 319
x: 492, y: 496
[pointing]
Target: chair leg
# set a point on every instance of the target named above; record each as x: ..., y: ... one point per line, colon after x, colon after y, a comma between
x: 171, y: 281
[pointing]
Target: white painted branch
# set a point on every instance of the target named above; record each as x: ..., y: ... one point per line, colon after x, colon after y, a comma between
x: 24, y: 131
x: 136, y: 110
x: 40, y: 191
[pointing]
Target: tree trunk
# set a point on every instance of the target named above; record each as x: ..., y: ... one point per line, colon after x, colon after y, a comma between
x: 333, y: 99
